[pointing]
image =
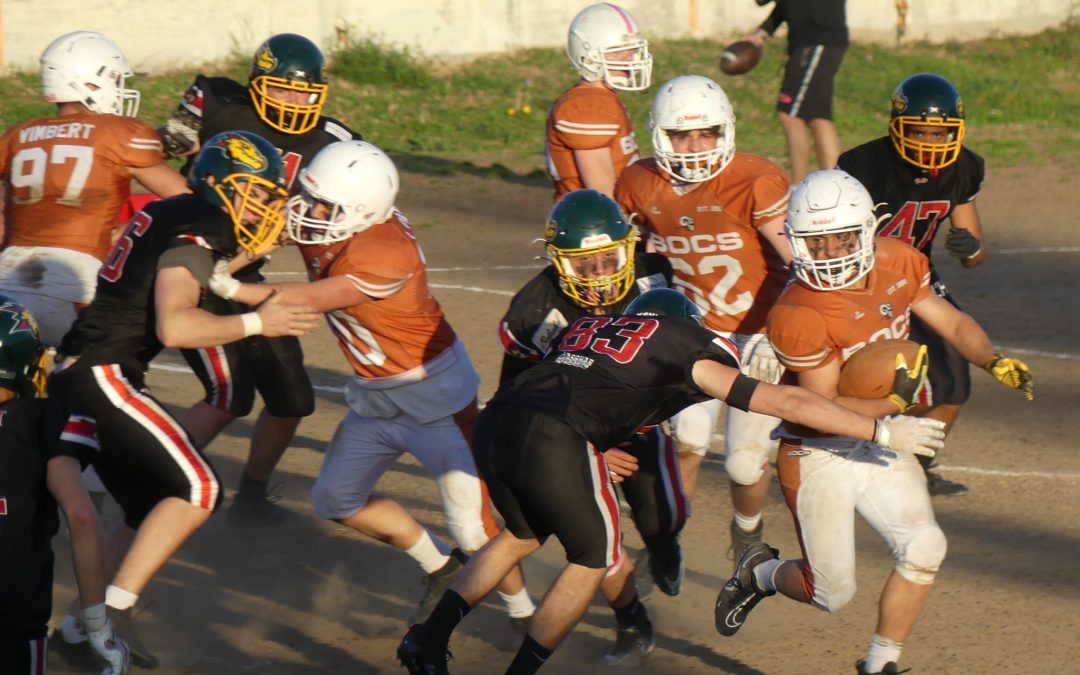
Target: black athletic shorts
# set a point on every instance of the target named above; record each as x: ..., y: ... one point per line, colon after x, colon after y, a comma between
x: 807, y: 90
x: 546, y: 479
x: 949, y: 372
x: 657, y: 502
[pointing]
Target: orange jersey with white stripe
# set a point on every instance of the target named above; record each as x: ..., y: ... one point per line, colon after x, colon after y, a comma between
x: 587, y: 118
x: 68, y: 176
x: 809, y: 328
x: 711, y: 235
x: 402, y: 328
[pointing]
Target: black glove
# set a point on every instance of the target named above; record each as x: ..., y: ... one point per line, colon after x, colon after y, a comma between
x: 962, y: 243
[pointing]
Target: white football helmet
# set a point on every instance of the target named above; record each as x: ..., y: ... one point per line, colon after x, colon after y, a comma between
x: 686, y: 103
x: 601, y: 30
x: 75, y: 61
x: 356, y: 183
x: 831, y: 202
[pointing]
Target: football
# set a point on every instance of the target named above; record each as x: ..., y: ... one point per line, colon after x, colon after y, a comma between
x: 740, y: 57
x: 869, y: 373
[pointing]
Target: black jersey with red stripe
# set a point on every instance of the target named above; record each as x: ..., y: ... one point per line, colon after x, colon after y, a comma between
x: 225, y: 105
x: 32, y: 431
x: 917, y: 200
x: 119, y: 325
x: 540, y: 311
x: 606, y: 377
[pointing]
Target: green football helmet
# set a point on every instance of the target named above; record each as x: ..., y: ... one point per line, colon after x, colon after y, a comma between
x: 927, y: 100
x: 665, y: 302
x: 591, y: 244
x: 244, y: 174
x: 22, y: 358
x: 288, y: 63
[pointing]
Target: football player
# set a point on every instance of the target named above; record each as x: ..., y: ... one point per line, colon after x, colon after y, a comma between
x: 68, y: 175
x: 537, y: 446
x: 922, y: 175
x: 148, y: 298
x: 283, y: 103
x: 594, y: 272
x: 851, y: 289
x: 42, y: 451
x: 717, y: 215
x: 414, y: 386
x: 590, y: 138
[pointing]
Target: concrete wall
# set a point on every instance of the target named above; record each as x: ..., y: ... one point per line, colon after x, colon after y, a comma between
x: 163, y: 34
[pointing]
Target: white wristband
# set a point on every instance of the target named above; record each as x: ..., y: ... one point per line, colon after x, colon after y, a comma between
x: 881, y: 433
x: 252, y: 324
x: 94, y: 617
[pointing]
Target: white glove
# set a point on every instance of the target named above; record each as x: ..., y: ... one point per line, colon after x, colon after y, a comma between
x: 112, y: 649
x: 222, y: 284
x: 917, y: 435
x: 763, y: 364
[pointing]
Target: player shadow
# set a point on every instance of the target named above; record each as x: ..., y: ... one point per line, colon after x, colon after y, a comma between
x: 441, y: 166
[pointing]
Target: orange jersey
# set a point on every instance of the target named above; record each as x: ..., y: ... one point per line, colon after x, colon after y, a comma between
x: 587, y: 118
x: 810, y: 328
x: 68, y: 176
x: 403, y: 327
x: 711, y: 236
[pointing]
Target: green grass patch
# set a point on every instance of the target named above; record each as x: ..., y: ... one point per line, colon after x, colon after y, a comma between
x: 486, y: 115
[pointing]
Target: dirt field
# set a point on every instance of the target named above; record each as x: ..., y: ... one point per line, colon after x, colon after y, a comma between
x: 312, y: 597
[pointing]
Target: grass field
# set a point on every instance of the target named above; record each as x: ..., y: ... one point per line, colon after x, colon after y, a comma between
x: 1022, y: 95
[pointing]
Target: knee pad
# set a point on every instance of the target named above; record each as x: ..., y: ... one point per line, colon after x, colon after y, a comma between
x: 331, y: 504
x: 694, y: 427
x: 462, y: 500
x: 921, y: 558
x: 744, y: 468
x: 833, y: 597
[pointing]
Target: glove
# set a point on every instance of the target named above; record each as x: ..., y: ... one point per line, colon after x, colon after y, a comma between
x: 763, y: 364
x: 112, y: 649
x: 909, y: 386
x: 222, y: 284
x: 962, y: 243
x: 917, y: 435
x: 1012, y: 373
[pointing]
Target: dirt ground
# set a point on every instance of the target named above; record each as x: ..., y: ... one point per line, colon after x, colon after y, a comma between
x: 311, y: 597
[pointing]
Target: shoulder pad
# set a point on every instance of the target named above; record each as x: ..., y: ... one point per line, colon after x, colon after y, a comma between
x: 338, y: 130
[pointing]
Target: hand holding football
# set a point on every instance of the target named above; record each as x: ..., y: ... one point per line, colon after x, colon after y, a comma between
x: 869, y: 372
x: 740, y: 57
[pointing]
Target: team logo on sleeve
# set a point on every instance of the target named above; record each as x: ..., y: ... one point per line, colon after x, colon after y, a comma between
x: 244, y: 151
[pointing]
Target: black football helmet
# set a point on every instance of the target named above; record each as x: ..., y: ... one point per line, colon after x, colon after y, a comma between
x: 22, y: 358
x: 244, y: 174
x: 927, y: 100
x: 665, y: 302
x: 293, y: 63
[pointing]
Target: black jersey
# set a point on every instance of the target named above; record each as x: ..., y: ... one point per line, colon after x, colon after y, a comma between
x: 119, y: 326
x: 32, y: 431
x: 821, y: 22
x: 224, y: 105
x: 540, y: 310
x: 918, y: 200
x: 606, y: 377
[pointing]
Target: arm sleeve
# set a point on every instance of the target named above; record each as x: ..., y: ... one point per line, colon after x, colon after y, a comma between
x: 64, y: 433
x: 184, y: 253
x: 582, y: 124
x: 799, y: 337
x: 771, y: 194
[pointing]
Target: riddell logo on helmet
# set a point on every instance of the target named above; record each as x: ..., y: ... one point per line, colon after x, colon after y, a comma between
x: 823, y: 221
x: 595, y: 240
x: 684, y: 119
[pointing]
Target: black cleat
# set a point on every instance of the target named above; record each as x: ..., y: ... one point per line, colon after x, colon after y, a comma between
x: 740, y: 594
x: 418, y: 655
x: 257, y: 509
x: 632, y: 643
x: 123, y: 622
x: 436, y: 583
x: 939, y: 486
x: 667, y: 567
x: 889, y: 668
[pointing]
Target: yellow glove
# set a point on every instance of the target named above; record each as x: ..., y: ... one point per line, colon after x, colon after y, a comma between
x: 1012, y: 373
x: 909, y: 386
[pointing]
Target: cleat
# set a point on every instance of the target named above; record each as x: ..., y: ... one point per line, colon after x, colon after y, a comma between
x: 741, y: 594
x: 257, y: 509
x: 667, y: 567
x: 889, y: 668
x: 520, y: 624
x: 632, y: 643
x: 419, y: 657
x: 939, y: 486
x: 436, y: 583
x: 76, y: 657
x: 742, y: 540
x: 123, y: 622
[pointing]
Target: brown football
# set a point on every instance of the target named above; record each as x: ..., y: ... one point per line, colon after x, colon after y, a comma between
x: 869, y: 373
x: 740, y: 57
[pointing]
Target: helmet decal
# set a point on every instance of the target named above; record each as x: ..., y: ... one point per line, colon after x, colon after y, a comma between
x: 244, y: 151
x: 264, y: 59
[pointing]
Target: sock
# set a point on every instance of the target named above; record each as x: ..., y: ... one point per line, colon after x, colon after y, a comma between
x: 519, y: 604
x: 747, y: 523
x: 429, y: 552
x: 765, y: 575
x: 531, y: 655
x: 72, y: 631
x: 447, y: 614
x: 882, y: 650
x: 630, y: 614
x: 118, y: 598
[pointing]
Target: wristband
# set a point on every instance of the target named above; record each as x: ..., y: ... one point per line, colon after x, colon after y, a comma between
x: 94, y: 617
x: 881, y: 433
x: 252, y: 324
